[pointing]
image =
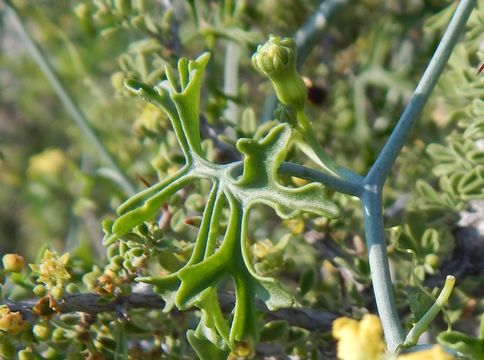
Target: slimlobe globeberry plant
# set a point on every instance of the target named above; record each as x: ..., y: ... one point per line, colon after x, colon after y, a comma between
x: 221, y: 256
x: 241, y: 185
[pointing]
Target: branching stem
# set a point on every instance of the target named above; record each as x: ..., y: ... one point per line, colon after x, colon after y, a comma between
x: 371, y: 198
x: 383, y: 164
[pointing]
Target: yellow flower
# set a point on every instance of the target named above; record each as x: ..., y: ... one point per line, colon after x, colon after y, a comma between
x: 363, y: 340
x: 434, y: 353
x: 52, y: 269
x: 359, y: 340
x: 295, y: 226
x: 11, y: 322
x: 50, y: 162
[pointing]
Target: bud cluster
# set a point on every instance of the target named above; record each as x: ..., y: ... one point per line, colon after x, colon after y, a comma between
x: 277, y: 60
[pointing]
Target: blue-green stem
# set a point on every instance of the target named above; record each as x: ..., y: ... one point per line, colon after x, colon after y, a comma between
x: 383, y: 164
x: 72, y: 108
x: 310, y: 33
x: 373, y: 184
x: 349, y: 187
x: 353, y: 188
x: 371, y: 203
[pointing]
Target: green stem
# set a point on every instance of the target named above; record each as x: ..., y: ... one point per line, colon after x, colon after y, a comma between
x: 200, y: 250
x: 67, y: 100
x: 316, y: 152
x: 423, y: 324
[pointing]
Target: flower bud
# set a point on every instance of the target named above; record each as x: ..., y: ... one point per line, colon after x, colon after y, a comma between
x: 51, y: 353
x: 432, y: 260
x: 277, y: 60
x: 13, y: 262
x: 40, y: 290
x: 72, y: 288
x: 42, y: 331
x: 59, y: 335
x: 26, y: 355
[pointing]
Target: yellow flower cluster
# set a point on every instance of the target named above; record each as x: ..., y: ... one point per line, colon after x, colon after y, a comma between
x: 363, y: 340
x: 11, y: 322
x: 52, y: 269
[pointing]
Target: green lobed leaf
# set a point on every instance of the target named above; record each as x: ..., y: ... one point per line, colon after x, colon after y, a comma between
x: 259, y: 179
x: 150, y: 206
x: 188, y: 100
x: 467, y: 345
x: 205, y: 349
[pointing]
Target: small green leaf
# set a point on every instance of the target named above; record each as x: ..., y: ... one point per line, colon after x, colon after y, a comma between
x: 274, y: 331
x: 428, y: 191
x: 472, y: 184
x: 419, y: 302
x: 248, y: 122
x: 158, y: 97
x: 307, y: 281
x: 430, y: 241
x: 440, y: 153
x: 188, y: 100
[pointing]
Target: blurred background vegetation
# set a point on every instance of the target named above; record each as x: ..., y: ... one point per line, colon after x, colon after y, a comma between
x: 54, y: 188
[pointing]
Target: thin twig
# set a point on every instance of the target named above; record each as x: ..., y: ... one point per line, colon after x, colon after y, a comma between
x: 231, y: 79
x: 72, y: 108
x: 309, y: 319
x: 310, y: 33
